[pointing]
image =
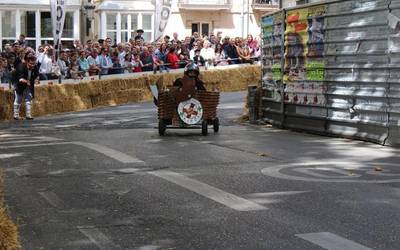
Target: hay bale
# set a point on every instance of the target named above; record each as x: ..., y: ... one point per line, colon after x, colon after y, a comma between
x: 9, y: 239
x: 56, y: 98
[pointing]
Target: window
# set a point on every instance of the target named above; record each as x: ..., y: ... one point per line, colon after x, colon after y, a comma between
x: 68, y: 30
x: 201, y: 28
x: 8, y: 23
x: 134, y: 23
x: 112, y: 21
x: 45, y: 25
x: 146, y: 21
x: 28, y: 23
x: 130, y: 23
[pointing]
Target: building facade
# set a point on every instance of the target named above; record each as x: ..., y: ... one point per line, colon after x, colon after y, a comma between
x: 33, y: 19
x: 119, y: 19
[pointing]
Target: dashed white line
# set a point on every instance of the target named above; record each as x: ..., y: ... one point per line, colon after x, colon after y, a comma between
x: 6, y: 156
x: 116, y: 155
x: 215, y: 194
x: 331, y: 241
x: 98, y: 238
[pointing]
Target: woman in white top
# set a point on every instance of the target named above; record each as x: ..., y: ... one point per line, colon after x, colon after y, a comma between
x: 207, y: 53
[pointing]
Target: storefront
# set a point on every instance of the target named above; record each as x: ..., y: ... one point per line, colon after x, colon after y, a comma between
x: 119, y: 20
x: 33, y: 20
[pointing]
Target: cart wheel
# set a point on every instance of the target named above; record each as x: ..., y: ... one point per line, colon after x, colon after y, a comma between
x: 161, y: 127
x: 204, y: 128
x: 216, y: 125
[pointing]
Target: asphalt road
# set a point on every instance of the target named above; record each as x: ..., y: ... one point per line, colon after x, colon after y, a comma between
x: 104, y: 179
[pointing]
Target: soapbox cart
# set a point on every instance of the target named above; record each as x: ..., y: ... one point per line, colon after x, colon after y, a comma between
x: 187, y: 108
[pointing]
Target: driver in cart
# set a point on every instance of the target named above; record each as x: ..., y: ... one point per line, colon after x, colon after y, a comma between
x: 191, y: 71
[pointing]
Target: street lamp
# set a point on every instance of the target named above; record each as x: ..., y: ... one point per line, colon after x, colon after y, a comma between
x: 88, y: 11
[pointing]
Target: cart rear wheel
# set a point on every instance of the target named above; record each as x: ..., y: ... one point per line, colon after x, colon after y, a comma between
x: 204, y: 128
x: 216, y: 125
x: 161, y: 127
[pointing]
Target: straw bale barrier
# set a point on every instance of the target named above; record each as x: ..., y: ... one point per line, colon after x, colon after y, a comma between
x: 8, y: 231
x: 52, y: 99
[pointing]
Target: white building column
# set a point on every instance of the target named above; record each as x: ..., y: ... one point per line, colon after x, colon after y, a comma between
x: 18, y: 23
x: 103, y: 26
x: 37, y: 29
x: 129, y: 27
x: 77, y: 25
x: 118, y: 20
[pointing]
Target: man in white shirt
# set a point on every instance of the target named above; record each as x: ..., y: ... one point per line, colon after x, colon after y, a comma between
x: 46, y: 64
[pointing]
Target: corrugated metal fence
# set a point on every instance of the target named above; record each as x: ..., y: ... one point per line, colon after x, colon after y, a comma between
x: 334, y: 68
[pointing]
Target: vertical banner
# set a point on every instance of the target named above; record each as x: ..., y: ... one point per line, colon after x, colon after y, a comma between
x: 57, y: 8
x: 162, y: 14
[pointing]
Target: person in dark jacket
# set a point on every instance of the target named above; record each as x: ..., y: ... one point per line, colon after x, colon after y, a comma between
x: 231, y: 53
x: 191, y: 71
x: 27, y: 75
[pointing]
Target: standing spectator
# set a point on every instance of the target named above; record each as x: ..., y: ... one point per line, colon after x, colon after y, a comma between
x: 46, y: 64
x: 147, y: 58
x: 161, y: 54
x: 116, y: 65
x: 192, y: 52
x: 231, y: 52
x: 167, y: 40
x: 83, y: 63
x: 243, y: 51
x: 252, y: 44
x: 172, y: 59
x: 74, y: 67
x: 198, y: 59
x: 208, y: 54
x: 62, y: 64
x: 127, y: 63
x: 175, y: 37
x: 22, y: 41
x: 28, y: 75
x: 220, y: 56
x: 104, y: 61
x: 139, y: 35
x: 92, y: 60
x: 137, y: 64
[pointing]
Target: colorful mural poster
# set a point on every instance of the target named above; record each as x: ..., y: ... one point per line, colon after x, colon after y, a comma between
x: 304, y: 50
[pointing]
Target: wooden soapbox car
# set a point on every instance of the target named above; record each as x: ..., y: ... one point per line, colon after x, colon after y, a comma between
x: 187, y: 108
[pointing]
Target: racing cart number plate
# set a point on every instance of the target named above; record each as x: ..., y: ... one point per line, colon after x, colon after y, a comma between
x: 190, y: 111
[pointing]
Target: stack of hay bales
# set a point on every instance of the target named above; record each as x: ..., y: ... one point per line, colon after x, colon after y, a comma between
x: 107, y: 92
x: 8, y: 231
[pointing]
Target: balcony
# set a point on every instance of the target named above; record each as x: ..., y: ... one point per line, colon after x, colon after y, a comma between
x: 205, y: 4
x: 265, y: 5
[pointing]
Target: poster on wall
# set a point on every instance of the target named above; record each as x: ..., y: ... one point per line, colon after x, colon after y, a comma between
x: 304, y: 51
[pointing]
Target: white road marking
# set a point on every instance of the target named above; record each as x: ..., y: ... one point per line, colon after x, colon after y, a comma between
x: 215, y: 194
x: 98, y: 238
x: 331, y: 241
x: 116, y: 155
x: 265, y: 198
x: 30, y: 140
x: 12, y: 135
x: 35, y: 145
x: 53, y: 199
x: 6, y: 156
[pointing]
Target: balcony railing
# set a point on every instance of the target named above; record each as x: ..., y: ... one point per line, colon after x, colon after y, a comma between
x: 205, y: 4
x: 265, y: 5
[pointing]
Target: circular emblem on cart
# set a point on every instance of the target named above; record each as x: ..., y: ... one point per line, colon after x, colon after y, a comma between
x: 190, y: 111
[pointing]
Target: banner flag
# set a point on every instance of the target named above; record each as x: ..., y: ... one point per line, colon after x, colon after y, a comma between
x: 162, y: 14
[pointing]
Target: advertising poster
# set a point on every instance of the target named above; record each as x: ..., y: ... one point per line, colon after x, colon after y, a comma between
x: 304, y: 52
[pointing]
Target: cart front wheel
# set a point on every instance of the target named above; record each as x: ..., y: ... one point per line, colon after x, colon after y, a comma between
x: 216, y: 125
x: 204, y: 128
x: 161, y: 127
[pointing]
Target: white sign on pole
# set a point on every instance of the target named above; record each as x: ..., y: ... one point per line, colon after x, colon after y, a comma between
x: 163, y: 12
x: 57, y: 8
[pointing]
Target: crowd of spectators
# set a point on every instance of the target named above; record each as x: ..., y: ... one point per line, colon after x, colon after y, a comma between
x: 104, y: 57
